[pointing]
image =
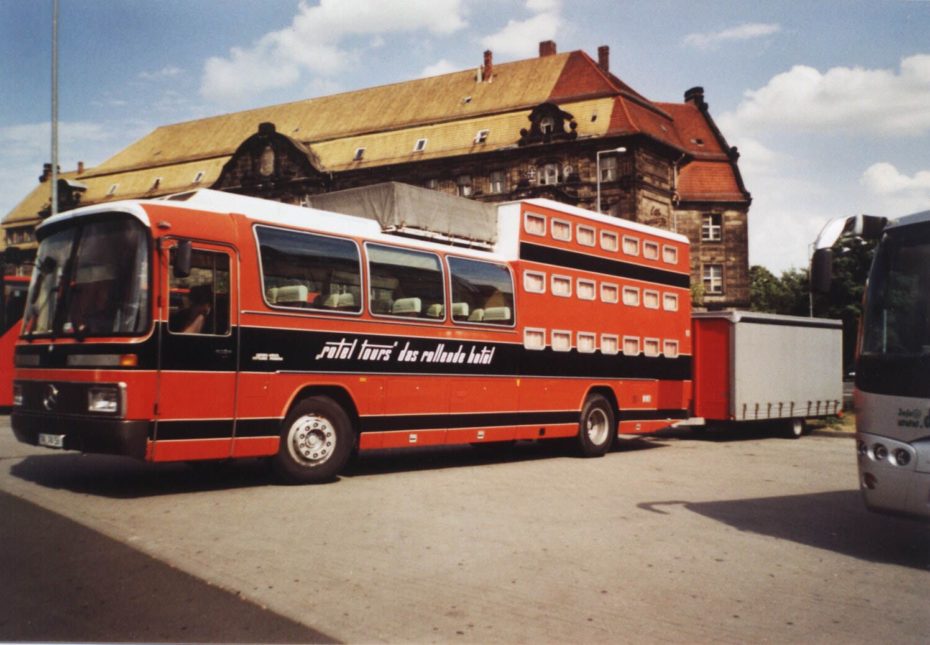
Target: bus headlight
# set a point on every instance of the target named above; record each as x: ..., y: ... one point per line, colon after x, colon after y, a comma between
x: 880, y: 451
x: 17, y: 395
x: 103, y: 399
x: 902, y: 457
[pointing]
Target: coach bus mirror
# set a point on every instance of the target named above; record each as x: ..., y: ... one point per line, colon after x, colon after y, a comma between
x: 182, y: 259
x: 822, y: 270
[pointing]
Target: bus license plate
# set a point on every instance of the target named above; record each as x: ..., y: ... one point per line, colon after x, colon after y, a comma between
x: 52, y: 440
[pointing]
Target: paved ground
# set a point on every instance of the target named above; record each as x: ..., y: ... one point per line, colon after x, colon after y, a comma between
x: 722, y: 538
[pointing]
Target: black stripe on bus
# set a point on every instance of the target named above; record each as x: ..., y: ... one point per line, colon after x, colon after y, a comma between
x: 456, y: 421
x: 596, y: 264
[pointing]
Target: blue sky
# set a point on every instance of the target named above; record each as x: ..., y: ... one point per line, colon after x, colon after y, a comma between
x: 828, y: 101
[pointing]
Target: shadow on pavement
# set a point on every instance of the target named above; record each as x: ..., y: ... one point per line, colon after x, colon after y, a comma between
x: 123, y: 478
x: 835, y: 521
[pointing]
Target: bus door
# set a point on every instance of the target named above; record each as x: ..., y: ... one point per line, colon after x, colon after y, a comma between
x: 198, y: 358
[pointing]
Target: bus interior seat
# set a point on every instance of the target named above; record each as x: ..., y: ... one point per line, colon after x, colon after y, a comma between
x: 435, y: 311
x: 293, y: 294
x: 497, y: 314
x: 476, y: 316
x: 339, y: 301
x: 460, y: 310
x: 407, y: 307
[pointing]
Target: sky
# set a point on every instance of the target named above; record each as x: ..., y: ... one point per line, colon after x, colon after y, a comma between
x: 828, y: 101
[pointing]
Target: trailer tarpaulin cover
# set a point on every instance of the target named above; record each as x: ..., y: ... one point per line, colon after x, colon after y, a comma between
x: 405, y: 208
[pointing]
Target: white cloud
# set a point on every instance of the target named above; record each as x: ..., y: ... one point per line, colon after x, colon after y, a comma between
x: 842, y: 99
x: 438, y: 68
x: 521, y: 38
x: 314, y: 43
x: 747, y: 31
x: 898, y: 193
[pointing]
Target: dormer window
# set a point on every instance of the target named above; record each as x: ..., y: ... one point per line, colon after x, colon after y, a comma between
x: 482, y: 136
x: 547, y: 125
x: 359, y: 153
x: 112, y: 190
x: 420, y: 145
x: 198, y: 177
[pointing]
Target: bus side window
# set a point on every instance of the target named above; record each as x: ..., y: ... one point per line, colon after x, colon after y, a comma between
x: 405, y: 283
x: 199, y: 303
x: 481, y: 292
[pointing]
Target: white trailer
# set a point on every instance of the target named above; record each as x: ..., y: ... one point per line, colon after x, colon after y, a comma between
x: 764, y: 367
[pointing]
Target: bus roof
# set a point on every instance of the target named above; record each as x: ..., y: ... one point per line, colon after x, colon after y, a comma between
x: 909, y: 220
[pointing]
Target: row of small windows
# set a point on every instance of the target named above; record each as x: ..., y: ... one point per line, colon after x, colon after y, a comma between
x: 586, y: 289
x: 420, y: 144
x: 611, y: 241
x: 610, y: 344
x: 198, y: 177
x: 317, y: 272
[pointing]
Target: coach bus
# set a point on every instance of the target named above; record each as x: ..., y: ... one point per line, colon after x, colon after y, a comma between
x: 216, y: 326
x: 12, y: 301
x: 892, y: 390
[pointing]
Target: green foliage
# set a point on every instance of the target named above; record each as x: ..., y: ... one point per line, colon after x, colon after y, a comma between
x: 786, y: 295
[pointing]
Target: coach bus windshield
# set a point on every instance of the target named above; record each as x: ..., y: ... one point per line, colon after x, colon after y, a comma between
x: 91, y: 278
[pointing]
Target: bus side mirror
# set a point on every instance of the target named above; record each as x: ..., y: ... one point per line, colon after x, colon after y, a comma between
x: 182, y: 259
x: 822, y: 270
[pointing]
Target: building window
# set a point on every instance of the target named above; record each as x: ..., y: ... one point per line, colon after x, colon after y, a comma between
x: 420, y: 145
x: 650, y: 250
x: 482, y: 136
x: 497, y: 182
x: 112, y: 190
x: 608, y: 169
x: 464, y: 184
x: 561, y: 230
x: 547, y: 125
x: 712, y: 227
x: 432, y: 184
x: 198, y: 177
x: 713, y: 279
x: 549, y: 174
x: 359, y: 153
x: 586, y: 235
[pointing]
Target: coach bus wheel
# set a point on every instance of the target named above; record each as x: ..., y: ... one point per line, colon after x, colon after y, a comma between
x: 597, y: 427
x: 316, y: 442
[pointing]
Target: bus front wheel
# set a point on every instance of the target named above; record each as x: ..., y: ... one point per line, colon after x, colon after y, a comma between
x: 597, y: 427
x: 316, y: 442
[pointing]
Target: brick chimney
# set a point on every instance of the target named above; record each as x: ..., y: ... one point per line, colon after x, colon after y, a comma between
x: 695, y: 96
x: 46, y: 172
x: 80, y: 169
x: 488, y: 67
x: 603, y: 58
x: 547, y: 48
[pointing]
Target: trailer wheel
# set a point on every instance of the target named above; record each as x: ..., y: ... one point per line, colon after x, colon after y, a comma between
x: 794, y: 428
x: 597, y: 427
x: 316, y: 442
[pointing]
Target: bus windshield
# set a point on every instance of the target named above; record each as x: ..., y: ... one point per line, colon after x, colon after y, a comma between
x: 91, y: 278
x: 897, y: 313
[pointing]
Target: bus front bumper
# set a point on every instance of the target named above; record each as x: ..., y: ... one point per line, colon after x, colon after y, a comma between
x: 86, y: 434
x: 894, y: 476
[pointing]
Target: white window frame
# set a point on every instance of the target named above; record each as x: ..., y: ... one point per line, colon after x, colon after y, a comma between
x: 561, y: 340
x: 610, y: 241
x: 652, y: 347
x: 631, y: 339
x: 670, y: 348
x: 529, y: 332
x: 583, y: 347
x: 420, y: 145
x: 582, y: 235
x: 606, y: 287
x: 610, y: 344
x: 529, y: 216
x: 482, y: 136
x: 634, y: 293
x: 560, y: 279
x: 712, y: 227
x: 712, y: 279
x: 670, y: 254
x: 633, y: 249
x: 670, y: 301
x: 561, y: 230
x: 496, y: 186
x: 537, y: 275
x: 589, y: 284
x: 651, y: 294
x: 650, y: 250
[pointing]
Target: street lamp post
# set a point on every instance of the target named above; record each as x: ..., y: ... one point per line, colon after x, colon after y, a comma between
x: 619, y: 150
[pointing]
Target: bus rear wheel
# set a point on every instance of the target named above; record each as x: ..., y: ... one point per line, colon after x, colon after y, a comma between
x: 597, y: 427
x: 316, y: 442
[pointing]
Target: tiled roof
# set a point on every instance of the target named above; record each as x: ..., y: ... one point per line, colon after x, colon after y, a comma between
x: 447, y: 110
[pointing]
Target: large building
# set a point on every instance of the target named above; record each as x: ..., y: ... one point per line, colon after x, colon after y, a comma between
x: 559, y: 125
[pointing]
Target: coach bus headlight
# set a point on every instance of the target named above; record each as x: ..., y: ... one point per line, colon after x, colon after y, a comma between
x: 861, y: 447
x: 103, y: 399
x: 880, y: 452
x: 17, y: 396
x: 902, y: 457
